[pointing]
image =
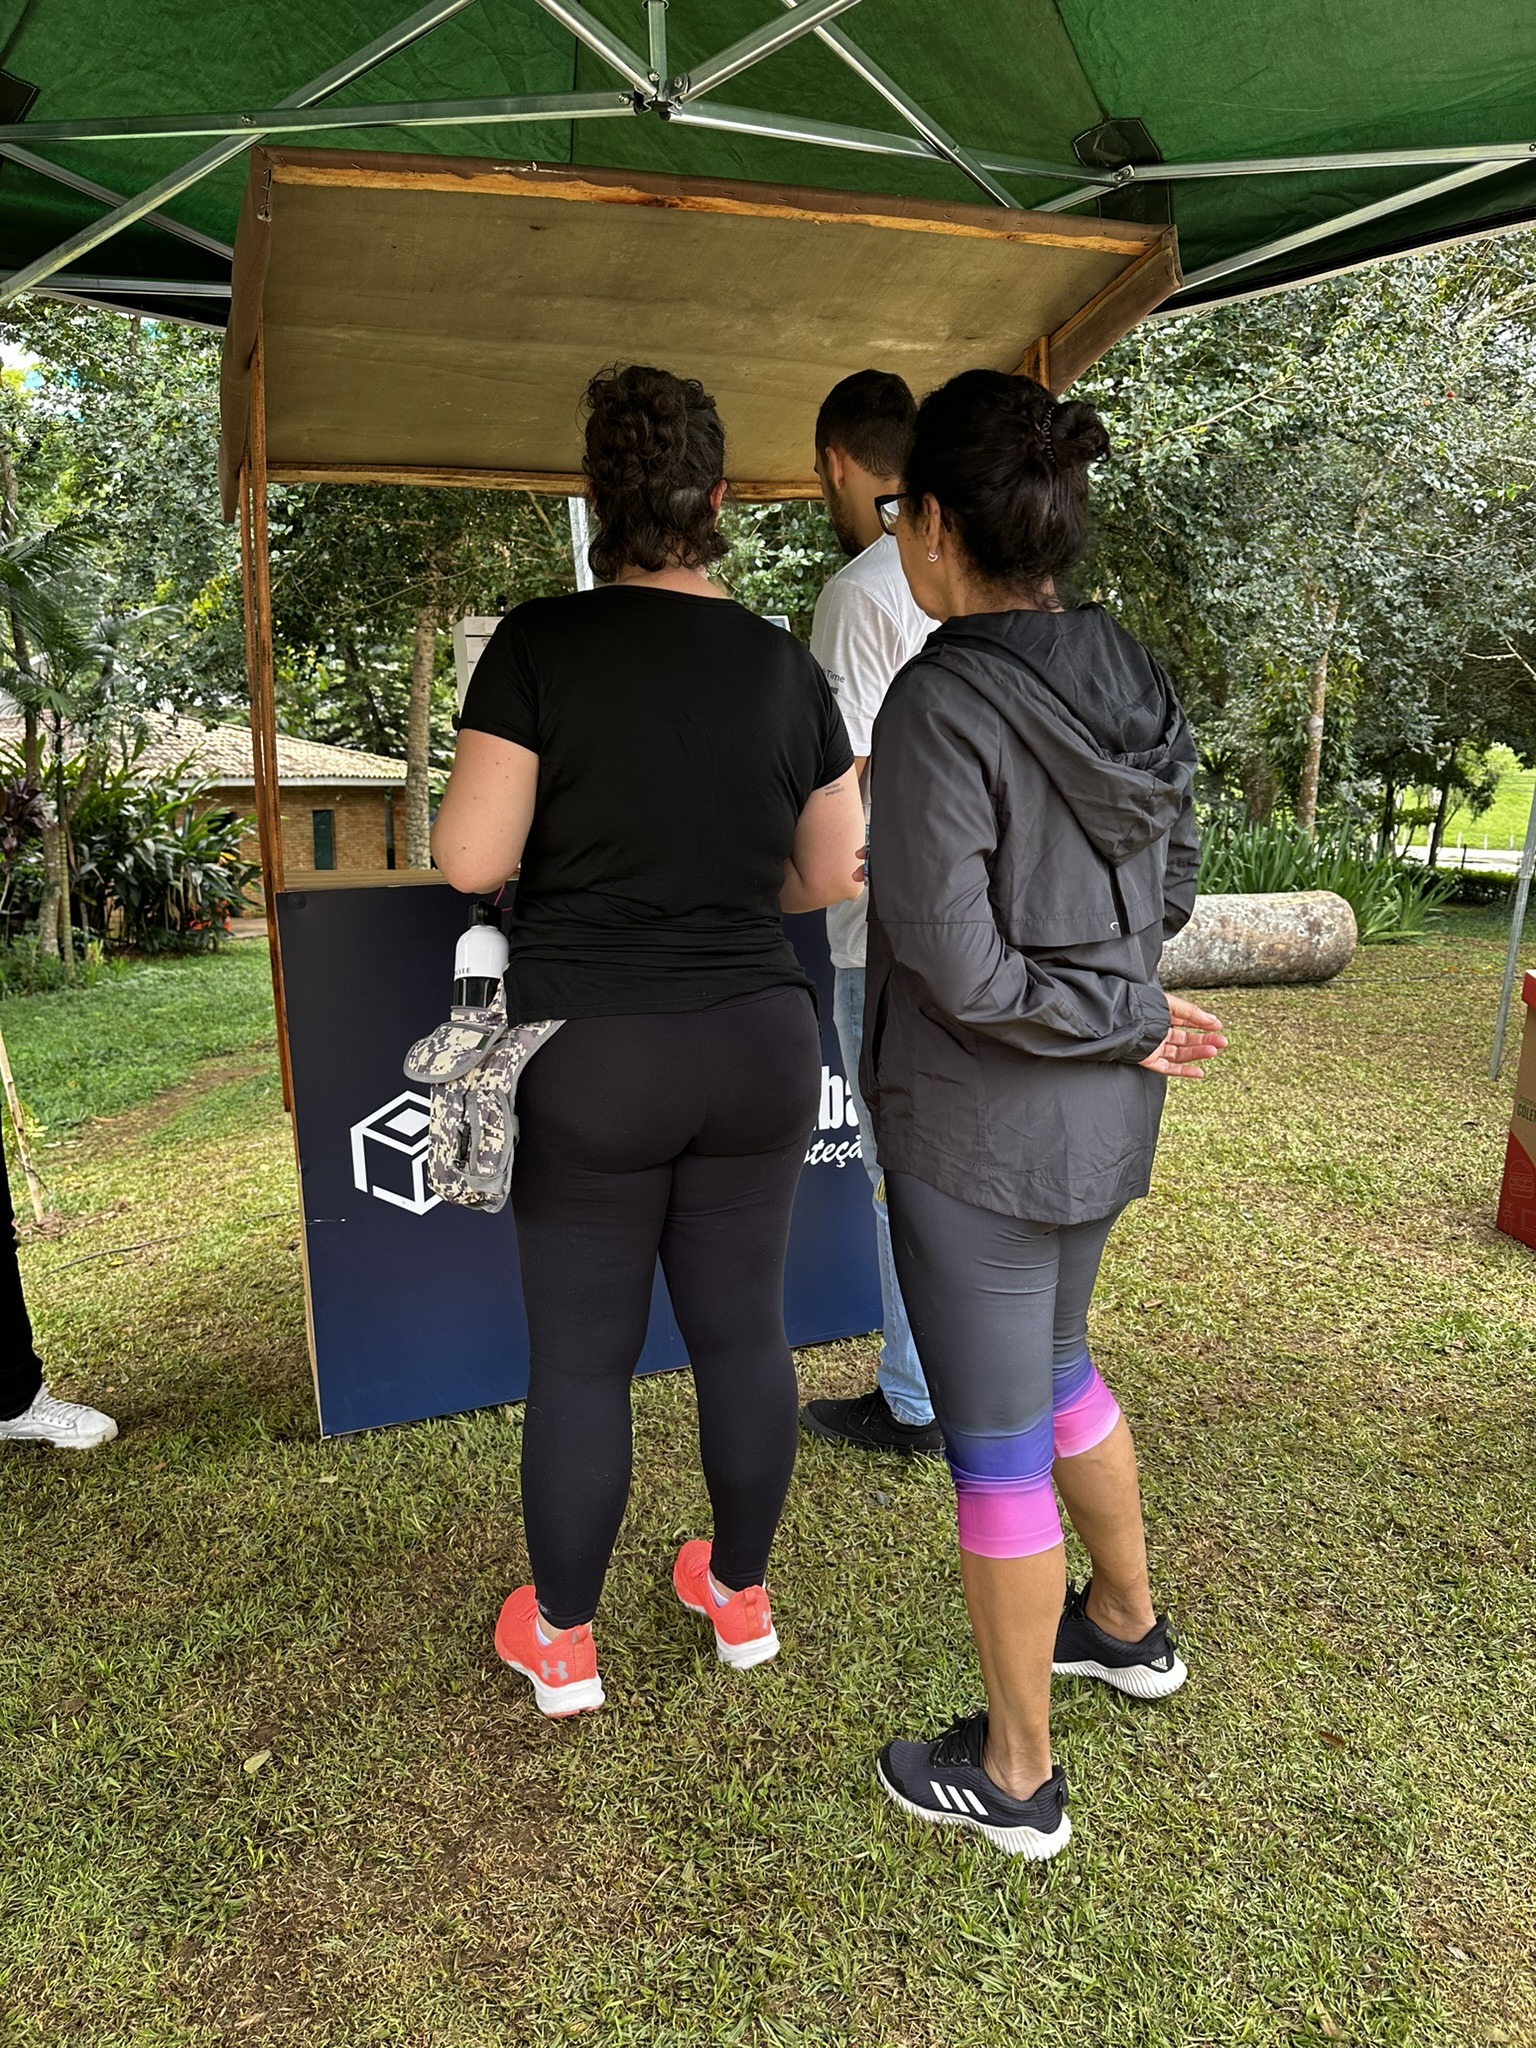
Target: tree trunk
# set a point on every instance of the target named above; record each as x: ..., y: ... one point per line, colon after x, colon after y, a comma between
x: 1259, y: 792
x: 66, y: 911
x: 31, y: 750
x: 1317, y: 711
x: 1442, y: 808
x: 1386, y: 838
x: 418, y: 744
x: 48, y: 906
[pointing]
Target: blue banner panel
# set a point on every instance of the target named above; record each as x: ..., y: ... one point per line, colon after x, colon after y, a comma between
x: 415, y: 1306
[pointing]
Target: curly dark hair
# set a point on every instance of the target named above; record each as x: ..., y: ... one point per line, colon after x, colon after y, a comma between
x: 1008, y: 466
x: 655, y: 452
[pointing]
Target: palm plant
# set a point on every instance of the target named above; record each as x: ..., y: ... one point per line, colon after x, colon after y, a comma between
x: 66, y: 673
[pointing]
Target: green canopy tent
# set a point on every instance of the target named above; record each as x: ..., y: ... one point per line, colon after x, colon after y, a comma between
x: 1281, y: 141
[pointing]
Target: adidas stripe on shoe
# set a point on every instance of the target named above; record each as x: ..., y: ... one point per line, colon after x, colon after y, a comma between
x: 1150, y: 1669
x: 946, y: 1784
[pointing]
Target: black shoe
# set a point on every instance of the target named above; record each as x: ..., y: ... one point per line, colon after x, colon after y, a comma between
x: 869, y: 1425
x: 944, y: 1782
x: 1148, y: 1670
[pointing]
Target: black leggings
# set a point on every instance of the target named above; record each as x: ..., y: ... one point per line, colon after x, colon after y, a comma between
x: 21, y: 1370
x: 681, y: 1137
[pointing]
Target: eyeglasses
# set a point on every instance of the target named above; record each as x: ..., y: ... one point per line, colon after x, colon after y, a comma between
x: 888, y: 509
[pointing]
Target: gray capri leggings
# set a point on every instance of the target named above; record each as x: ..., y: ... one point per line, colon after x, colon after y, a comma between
x: 999, y: 1311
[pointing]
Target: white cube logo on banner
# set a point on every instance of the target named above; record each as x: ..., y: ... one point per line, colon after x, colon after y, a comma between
x: 400, y: 1127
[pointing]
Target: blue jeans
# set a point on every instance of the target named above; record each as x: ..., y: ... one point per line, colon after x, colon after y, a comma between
x: 900, y: 1376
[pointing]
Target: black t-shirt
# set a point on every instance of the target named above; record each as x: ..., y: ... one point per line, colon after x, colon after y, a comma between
x: 678, y: 740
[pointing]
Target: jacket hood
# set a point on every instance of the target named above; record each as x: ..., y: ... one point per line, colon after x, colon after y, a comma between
x: 1091, y: 705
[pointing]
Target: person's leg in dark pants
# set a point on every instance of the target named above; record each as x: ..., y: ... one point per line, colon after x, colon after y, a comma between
x: 587, y: 1243
x: 723, y: 1254
x: 29, y: 1412
x: 680, y: 1136
x: 21, y: 1370
x: 727, y: 1216
x: 1095, y: 1469
x: 604, y: 1110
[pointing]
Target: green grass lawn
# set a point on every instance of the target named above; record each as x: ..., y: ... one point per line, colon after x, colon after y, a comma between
x: 265, y: 1782
x: 94, y: 1052
x: 1503, y: 824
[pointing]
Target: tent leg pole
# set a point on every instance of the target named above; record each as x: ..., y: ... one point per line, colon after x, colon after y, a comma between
x: 257, y: 565
x: 1516, y: 928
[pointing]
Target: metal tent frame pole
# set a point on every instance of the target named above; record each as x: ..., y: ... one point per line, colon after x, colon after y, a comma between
x: 1416, y: 195
x: 44, y: 169
x: 683, y: 98
x: 409, y: 31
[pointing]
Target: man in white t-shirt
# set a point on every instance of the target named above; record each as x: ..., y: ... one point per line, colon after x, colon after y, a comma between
x: 866, y: 628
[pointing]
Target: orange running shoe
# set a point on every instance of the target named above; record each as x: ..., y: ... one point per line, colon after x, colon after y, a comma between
x: 562, y: 1672
x: 744, y: 1632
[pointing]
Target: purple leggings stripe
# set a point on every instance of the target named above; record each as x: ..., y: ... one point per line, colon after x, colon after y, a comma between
x: 1004, y: 1499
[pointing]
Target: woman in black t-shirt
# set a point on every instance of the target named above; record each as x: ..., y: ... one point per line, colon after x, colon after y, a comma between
x: 672, y: 773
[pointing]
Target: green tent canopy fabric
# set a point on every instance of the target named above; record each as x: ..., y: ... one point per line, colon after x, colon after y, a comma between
x: 1020, y: 100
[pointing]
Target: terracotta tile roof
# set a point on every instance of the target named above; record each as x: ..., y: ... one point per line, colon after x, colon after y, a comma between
x: 222, y: 754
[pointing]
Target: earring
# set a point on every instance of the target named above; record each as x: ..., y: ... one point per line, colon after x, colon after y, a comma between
x: 933, y: 554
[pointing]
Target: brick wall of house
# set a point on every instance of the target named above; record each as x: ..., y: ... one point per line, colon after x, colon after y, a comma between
x: 358, y: 826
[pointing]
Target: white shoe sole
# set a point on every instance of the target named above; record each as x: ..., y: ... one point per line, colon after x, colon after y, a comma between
x: 559, y: 1702
x: 1033, y: 1844
x: 9, y: 1434
x: 739, y: 1656
x: 1140, y: 1681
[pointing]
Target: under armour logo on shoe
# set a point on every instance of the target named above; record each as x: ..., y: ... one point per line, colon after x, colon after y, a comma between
x: 552, y: 1671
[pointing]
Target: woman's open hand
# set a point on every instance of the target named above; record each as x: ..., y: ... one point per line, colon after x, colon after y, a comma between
x: 1194, y: 1036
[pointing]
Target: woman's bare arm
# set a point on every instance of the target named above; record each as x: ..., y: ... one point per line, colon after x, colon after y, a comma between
x: 824, y: 863
x: 483, y: 820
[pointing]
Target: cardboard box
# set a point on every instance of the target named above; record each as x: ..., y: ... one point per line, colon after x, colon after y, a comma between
x: 1517, y: 1197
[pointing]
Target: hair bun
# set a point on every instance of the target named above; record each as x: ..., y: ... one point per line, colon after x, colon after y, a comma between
x: 1076, y: 435
x: 1007, y: 465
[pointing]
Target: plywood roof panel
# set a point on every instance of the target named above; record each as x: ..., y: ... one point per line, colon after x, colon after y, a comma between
x: 423, y: 317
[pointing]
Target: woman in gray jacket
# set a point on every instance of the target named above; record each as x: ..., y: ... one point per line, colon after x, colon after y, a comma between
x: 1036, y: 844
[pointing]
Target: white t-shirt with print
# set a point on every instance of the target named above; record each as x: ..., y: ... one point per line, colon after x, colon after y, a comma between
x: 867, y: 626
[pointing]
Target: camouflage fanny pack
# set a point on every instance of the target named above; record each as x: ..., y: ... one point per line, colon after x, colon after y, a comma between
x: 470, y: 1068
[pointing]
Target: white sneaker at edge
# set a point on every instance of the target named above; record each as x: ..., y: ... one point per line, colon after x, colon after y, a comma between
x: 67, y: 1425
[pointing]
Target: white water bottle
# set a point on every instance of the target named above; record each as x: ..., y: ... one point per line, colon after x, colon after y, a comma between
x: 479, y: 962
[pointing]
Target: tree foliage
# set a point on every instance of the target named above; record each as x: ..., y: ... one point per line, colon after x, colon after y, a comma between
x: 1338, y: 477
x: 1319, y: 512
x: 112, y: 425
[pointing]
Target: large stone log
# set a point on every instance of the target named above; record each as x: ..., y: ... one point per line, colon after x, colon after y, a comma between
x: 1248, y: 941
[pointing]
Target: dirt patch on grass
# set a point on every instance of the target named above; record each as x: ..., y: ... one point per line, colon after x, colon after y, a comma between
x: 109, y: 1132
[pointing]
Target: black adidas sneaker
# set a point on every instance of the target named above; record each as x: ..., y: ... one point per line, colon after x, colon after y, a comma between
x: 945, y: 1782
x: 1148, y: 1670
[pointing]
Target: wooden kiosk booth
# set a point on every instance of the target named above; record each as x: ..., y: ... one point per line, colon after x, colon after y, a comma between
x: 434, y: 321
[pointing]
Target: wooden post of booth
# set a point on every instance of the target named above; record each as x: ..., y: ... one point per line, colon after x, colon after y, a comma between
x: 256, y: 577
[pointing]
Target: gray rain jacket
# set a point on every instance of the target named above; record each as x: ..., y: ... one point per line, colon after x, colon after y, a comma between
x: 1033, y: 844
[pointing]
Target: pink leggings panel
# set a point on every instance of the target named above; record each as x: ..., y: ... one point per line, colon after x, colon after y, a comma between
x: 1085, y: 1420
x: 1007, y: 1517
